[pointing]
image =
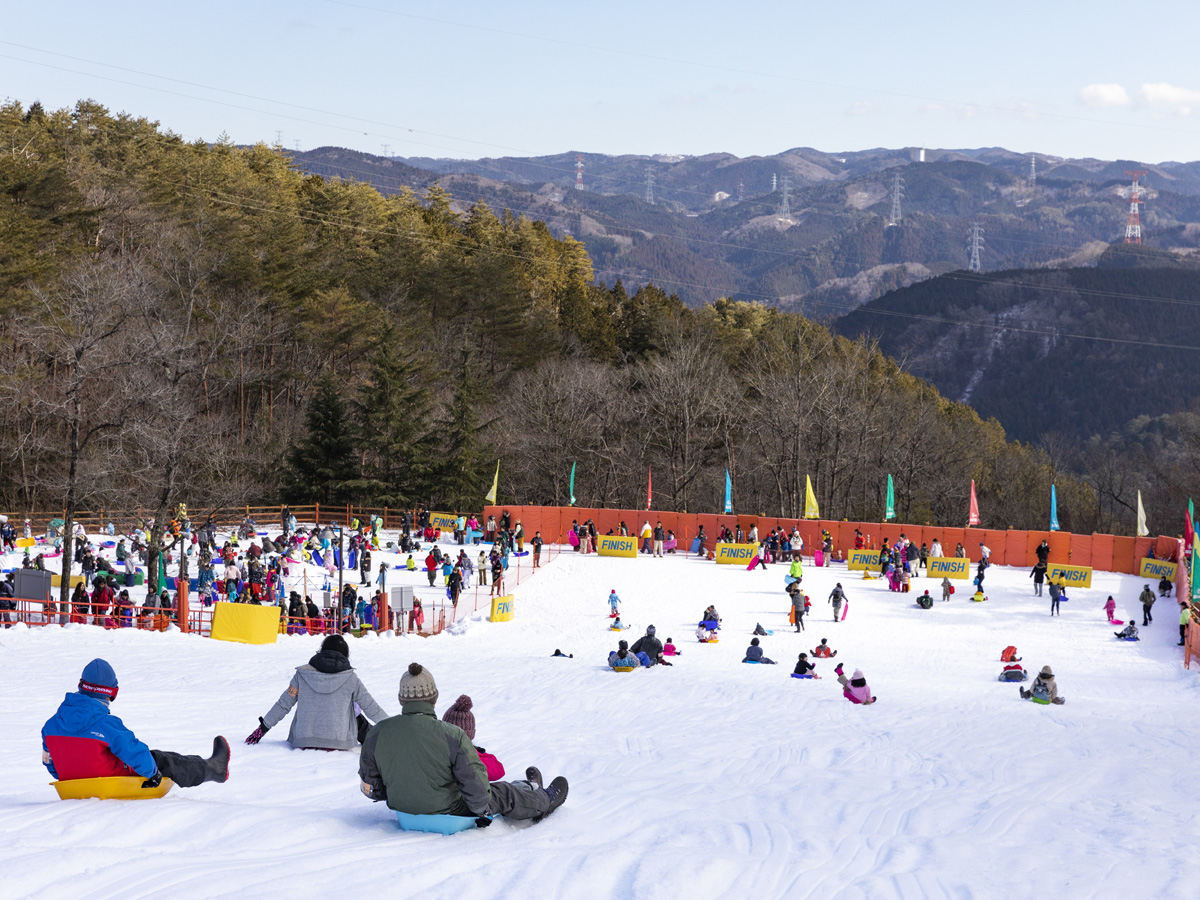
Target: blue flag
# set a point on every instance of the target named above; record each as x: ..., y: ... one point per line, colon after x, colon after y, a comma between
x: 1053, y: 509
x: 728, y: 493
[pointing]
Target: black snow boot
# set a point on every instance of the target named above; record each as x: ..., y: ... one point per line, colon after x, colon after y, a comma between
x: 557, y: 792
x: 534, y: 776
x: 218, y: 763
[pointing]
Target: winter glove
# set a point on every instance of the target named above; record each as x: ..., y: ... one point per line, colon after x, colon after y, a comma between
x: 483, y: 822
x: 257, y: 734
x: 153, y: 781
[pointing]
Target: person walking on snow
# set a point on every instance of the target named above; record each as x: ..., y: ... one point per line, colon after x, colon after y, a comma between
x: 84, y: 740
x: 659, y: 536
x: 836, y: 597
x: 798, y: 600
x: 1038, y: 575
x: 947, y: 588
x: 1184, y: 617
x: 1147, y: 598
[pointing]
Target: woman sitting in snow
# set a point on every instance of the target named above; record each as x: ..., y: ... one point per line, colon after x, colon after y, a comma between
x: 621, y: 658
x: 1128, y: 633
x: 754, y: 654
x: 855, y: 688
x: 1044, y: 689
x: 804, y: 669
x: 324, y: 692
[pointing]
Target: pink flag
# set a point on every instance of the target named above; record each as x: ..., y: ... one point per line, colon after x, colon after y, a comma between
x: 649, y: 484
x: 973, y: 517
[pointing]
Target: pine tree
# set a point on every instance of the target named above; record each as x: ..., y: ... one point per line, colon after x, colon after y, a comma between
x: 464, y: 466
x: 321, y: 467
x: 393, y: 432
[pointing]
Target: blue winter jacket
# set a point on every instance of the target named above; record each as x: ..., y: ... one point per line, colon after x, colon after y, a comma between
x: 84, y: 740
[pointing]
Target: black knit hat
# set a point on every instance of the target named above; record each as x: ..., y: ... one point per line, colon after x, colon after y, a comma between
x: 335, y: 643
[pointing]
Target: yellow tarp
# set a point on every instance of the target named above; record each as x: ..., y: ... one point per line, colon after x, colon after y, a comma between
x: 245, y: 623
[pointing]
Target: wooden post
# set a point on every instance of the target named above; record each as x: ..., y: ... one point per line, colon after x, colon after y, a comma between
x: 181, y: 605
x: 317, y: 513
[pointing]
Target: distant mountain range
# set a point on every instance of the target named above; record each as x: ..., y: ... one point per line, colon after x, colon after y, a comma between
x: 717, y: 226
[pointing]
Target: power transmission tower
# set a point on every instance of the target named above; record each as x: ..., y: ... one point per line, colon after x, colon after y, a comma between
x: 976, y: 245
x: 649, y: 184
x: 1133, y: 228
x: 741, y: 191
x: 897, y: 193
x: 278, y: 138
x: 785, y: 206
x: 774, y: 184
x: 1033, y: 169
x: 579, y: 171
x: 297, y: 145
x: 386, y: 147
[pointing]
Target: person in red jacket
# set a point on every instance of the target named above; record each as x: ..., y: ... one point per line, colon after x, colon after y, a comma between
x: 84, y: 740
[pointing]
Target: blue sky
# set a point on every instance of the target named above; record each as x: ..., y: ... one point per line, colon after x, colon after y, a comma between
x: 475, y: 79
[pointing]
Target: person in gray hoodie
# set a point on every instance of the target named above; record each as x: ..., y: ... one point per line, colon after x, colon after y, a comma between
x: 324, y: 693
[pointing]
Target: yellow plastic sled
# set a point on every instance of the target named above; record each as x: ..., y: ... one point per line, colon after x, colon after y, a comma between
x: 622, y: 668
x: 112, y: 787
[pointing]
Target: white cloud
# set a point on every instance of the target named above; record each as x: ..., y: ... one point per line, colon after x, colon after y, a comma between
x: 861, y: 108
x: 1104, y: 95
x: 1172, y: 98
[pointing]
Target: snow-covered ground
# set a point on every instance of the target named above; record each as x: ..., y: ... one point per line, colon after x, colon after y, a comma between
x: 707, y: 779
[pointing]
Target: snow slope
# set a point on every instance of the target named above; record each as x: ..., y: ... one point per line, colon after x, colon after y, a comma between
x: 707, y: 779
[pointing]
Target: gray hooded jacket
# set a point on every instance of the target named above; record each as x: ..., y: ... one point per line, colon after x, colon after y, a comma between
x: 326, y: 690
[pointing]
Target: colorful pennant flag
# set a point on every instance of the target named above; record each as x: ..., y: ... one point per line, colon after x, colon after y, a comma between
x: 572, y: 503
x: 973, y: 513
x: 1053, y: 509
x: 728, y: 493
x: 491, y: 495
x: 811, y: 511
x: 889, y: 511
x: 1142, y: 530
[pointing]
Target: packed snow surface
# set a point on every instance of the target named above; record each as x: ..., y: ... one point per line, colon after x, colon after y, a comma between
x: 706, y: 779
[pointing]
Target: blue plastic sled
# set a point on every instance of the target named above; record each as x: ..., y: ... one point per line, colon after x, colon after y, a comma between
x: 794, y: 675
x: 695, y: 545
x: 337, y: 557
x: 522, y: 553
x: 435, y: 824
x: 353, y: 559
x: 711, y: 625
x: 316, y: 558
x: 789, y: 579
x: 752, y: 662
x: 1129, y: 639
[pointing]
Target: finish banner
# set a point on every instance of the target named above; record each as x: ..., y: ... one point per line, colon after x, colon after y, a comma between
x: 1072, y: 576
x: 1157, y: 568
x: 443, y: 521
x: 949, y: 567
x: 864, y: 560
x: 616, y: 545
x: 730, y: 554
x: 503, y: 608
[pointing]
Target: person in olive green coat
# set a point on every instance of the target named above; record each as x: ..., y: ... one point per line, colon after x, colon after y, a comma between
x: 423, y: 766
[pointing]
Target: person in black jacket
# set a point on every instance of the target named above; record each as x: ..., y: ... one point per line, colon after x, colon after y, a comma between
x: 754, y: 654
x: 364, y: 566
x: 648, y: 644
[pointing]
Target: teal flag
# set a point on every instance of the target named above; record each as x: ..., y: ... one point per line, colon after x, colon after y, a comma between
x: 728, y: 493
x: 890, y: 512
x: 572, y: 503
x: 1053, y: 509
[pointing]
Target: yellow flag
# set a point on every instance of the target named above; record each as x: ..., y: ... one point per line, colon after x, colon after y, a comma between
x: 491, y: 495
x: 810, y: 501
x: 1142, y: 530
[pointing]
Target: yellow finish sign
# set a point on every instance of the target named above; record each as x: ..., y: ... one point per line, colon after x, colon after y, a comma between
x: 949, y: 567
x: 1157, y: 568
x: 615, y: 545
x: 864, y: 560
x: 503, y: 608
x: 1071, y: 576
x: 443, y: 521
x: 731, y: 554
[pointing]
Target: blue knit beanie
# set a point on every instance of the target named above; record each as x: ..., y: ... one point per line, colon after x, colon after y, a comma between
x: 99, y: 680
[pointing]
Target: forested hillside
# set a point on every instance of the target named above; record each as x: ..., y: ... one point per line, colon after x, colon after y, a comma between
x: 206, y: 323
x: 717, y: 226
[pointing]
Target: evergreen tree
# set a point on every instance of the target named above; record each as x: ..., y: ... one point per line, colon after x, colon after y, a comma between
x: 321, y: 467
x: 393, y: 432
x: 464, y: 469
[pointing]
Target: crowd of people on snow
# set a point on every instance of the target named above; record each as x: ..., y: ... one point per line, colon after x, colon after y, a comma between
x: 252, y: 566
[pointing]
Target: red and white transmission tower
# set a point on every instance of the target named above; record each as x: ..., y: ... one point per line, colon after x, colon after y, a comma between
x: 1133, y: 230
x: 579, y: 171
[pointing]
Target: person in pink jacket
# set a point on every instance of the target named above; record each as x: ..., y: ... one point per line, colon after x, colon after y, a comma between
x: 1110, y: 607
x: 460, y: 714
x: 855, y: 688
